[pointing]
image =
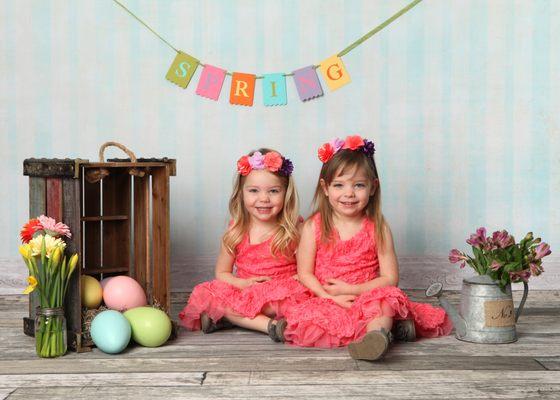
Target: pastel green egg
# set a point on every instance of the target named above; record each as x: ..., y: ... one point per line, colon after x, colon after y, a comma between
x: 150, y: 327
x: 110, y: 331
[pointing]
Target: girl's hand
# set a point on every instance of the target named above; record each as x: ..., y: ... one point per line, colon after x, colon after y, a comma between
x: 336, y: 287
x: 296, y: 277
x: 344, y: 300
x: 254, y: 279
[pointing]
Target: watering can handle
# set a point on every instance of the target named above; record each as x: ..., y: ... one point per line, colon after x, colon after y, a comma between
x: 520, y: 307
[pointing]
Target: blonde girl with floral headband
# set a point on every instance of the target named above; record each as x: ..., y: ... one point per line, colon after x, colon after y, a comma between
x: 256, y: 267
x: 347, y: 259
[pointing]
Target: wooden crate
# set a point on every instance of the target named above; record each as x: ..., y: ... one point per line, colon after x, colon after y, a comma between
x: 118, y: 212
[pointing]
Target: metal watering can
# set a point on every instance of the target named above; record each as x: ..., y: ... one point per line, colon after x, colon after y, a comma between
x: 487, y: 313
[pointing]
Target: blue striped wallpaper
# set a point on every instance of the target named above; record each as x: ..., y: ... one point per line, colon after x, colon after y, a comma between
x: 461, y: 98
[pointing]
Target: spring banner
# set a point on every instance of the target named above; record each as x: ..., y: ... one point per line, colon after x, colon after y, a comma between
x: 332, y: 71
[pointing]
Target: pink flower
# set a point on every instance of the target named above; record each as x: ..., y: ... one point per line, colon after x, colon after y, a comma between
x: 257, y: 160
x: 536, y: 269
x: 542, y: 250
x: 273, y: 161
x: 520, y: 276
x: 54, y: 228
x: 337, y: 144
x: 456, y: 256
x: 353, y: 142
x: 502, y: 239
x: 495, y: 266
x: 243, y: 166
x: 326, y: 152
x: 478, y: 239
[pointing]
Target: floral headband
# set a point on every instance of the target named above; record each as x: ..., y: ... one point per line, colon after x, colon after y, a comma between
x: 271, y: 161
x: 329, y: 149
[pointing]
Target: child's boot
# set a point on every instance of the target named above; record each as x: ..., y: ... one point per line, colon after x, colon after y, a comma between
x: 209, y: 326
x: 404, y: 330
x: 373, y: 346
x: 276, y: 330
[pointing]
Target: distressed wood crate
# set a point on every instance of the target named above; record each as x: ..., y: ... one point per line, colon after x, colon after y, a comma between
x: 118, y: 212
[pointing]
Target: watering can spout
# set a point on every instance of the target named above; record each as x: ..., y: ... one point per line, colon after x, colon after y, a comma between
x: 435, y: 290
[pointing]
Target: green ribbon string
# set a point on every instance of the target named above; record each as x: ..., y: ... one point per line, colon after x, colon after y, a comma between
x: 377, y: 29
x: 340, y: 54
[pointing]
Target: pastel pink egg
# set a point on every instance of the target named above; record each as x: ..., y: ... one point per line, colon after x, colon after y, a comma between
x: 122, y: 293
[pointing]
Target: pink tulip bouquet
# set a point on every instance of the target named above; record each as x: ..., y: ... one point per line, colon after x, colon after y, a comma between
x: 503, y: 260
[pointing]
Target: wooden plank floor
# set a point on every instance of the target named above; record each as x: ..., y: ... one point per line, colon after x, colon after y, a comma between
x: 241, y: 364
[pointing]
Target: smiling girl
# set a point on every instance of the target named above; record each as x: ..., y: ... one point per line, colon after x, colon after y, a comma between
x: 347, y: 259
x: 256, y: 265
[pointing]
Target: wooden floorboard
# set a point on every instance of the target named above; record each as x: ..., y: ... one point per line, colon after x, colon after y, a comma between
x: 237, y: 364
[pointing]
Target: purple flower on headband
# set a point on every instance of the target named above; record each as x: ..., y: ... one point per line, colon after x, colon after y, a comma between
x: 257, y: 160
x: 337, y: 144
x: 369, y: 148
x: 286, y: 168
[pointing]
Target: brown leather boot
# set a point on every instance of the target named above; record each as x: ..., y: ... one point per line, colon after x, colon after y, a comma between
x: 207, y: 325
x: 373, y: 346
x: 276, y: 330
x: 404, y: 330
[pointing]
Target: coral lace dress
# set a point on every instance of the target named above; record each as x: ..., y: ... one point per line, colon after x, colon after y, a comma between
x: 216, y: 297
x: 320, y: 322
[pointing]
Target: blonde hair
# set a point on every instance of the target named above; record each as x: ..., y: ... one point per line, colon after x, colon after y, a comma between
x: 286, y: 238
x: 346, y: 160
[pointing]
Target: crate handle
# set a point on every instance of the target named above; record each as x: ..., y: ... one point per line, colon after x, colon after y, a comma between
x: 115, y: 144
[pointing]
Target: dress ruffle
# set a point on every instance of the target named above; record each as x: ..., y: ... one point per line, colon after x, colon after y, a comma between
x: 323, y: 323
x: 216, y: 298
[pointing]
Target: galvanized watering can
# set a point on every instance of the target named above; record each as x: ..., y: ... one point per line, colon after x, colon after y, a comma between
x: 487, y: 313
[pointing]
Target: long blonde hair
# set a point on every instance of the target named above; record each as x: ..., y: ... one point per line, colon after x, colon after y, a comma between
x: 286, y: 238
x: 345, y: 160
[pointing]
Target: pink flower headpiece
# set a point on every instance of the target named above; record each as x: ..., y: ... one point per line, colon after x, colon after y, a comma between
x: 329, y: 149
x: 271, y: 161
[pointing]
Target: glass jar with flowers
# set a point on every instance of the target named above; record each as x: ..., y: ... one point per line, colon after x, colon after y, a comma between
x: 49, y: 273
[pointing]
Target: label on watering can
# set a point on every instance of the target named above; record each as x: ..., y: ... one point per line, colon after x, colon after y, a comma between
x: 499, y: 313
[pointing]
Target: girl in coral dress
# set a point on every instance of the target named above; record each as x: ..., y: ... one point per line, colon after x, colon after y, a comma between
x: 260, y: 242
x: 347, y: 259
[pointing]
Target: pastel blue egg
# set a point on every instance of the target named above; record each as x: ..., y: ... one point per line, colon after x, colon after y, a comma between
x: 110, y: 331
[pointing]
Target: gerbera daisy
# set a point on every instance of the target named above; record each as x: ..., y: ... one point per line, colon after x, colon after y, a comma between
x: 54, y: 228
x: 29, y: 229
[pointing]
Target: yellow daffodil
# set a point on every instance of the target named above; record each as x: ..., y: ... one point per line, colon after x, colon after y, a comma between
x: 57, y: 254
x: 32, y: 284
x: 25, y: 251
x: 72, y: 263
x: 51, y: 243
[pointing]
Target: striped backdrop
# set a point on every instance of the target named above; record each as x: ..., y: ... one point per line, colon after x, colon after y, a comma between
x: 461, y: 97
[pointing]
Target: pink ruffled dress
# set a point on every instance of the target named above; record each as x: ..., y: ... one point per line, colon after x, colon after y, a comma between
x: 320, y: 322
x: 251, y: 260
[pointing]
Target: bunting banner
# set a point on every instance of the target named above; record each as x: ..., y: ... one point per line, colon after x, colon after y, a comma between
x: 332, y: 71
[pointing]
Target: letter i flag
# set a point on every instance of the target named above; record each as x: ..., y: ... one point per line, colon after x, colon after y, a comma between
x: 334, y: 72
x: 211, y: 81
x: 307, y: 83
x: 274, y: 90
x: 182, y: 69
x: 242, y: 89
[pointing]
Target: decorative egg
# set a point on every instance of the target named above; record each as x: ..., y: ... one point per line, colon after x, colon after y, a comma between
x: 150, y: 327
x: 110, y: 331
x: 105, y: 280
x: 122, y: 293
x: 92, y: 294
